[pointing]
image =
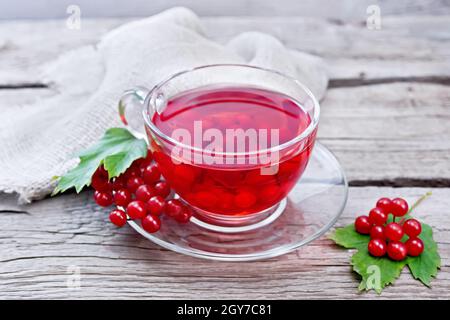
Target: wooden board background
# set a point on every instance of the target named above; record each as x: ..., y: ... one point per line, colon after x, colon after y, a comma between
x: 386, y: 116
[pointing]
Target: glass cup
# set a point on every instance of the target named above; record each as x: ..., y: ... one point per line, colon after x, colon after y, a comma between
x: 227, y: 188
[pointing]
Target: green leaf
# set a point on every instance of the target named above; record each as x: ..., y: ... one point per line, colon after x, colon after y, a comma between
x: 116, y: 150
x: 376, y: 273
x: 425, y: 266
x: 348, y: 238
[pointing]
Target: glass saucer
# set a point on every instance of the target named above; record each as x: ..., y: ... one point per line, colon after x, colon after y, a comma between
x: 311, y: 208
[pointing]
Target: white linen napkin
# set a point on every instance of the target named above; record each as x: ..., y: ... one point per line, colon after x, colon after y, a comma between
x: 37, y: 141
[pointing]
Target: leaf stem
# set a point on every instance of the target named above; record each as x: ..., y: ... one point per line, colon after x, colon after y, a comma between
x: 418, y: 201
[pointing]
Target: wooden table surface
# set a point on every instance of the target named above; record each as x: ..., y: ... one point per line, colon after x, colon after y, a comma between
x: 386, y: 116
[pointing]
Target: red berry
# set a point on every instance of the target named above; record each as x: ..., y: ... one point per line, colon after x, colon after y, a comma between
x: 132, y: 171
x: 151, y: 173
x: 244, y: 199
x: 147, y: 160
x: 173, y: 207
x: 397, y: 250
x: 363, y: 225
x: 185, y: 173
x: 122, y: 197
x: 377, y: 247
x: 377, y: 216
x: 145, y: 192
x: 119, y: 183
x: 155, y: 205
x: 136, y: 209
x: 100, y: 181
x: 151, y: 223
x: 415, y: 246
x: 133, y: 183
x: 118, y: 217
x: 377, y: 232
x: 206, y: 199
x: 185, y: 215
x: 384, y: 204
x: 399, y: 207
x: 104, y: 199
x: 412, y: 228
x: 393, y: 231
x: 101, y: 171
x: 162, y: 189
x: 137, y: 164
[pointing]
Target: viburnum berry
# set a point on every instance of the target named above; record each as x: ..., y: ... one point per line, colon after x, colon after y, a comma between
x: 100, y: 181
x: 245, y: 199
x: 393, y: 231
x: 147, y: 160
x: 377, y: 216
x: 145, y: 192
x: 151, y: 173
x: 101, y: 171
x: 118, y: 183
x: 397, y: 250
x: 103, y: 199
x: 377, y: 247
x: 133, y: 171
x: 415, y: 246
x: 208, y: 199
x: 122, y: 197
x: 386, y: 238
x: 399, y: 207
x: 384, y: 204
x: 185, y: 215
x: 136, y: 209
x: 118, y: 217
x: 377, y: 232
x: 133, y: 183
x: 155, y: 205
x: 162, y: 188
x: 363, y: 225
x: 412, y: 228
x: 151, y: 223
x: 173, y: 208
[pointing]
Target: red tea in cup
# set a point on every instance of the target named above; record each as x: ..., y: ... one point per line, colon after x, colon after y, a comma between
x: 236, y: 181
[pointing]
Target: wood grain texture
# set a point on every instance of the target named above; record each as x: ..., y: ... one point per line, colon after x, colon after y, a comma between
x: 390, y: 131
x: 404, y: 47
x: 40, y: 243
x: 386, y: 117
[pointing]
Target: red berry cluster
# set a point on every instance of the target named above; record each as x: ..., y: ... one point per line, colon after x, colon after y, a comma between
x: 140, y: 194
x: 386, y: 237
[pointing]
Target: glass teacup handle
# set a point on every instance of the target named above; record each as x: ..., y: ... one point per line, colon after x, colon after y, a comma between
x: 131, y: 105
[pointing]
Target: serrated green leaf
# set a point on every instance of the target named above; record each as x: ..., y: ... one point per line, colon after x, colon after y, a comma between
x: 425, y: 266
x: 348, y: 238
x: 376, y: 273
x: 116, y: 150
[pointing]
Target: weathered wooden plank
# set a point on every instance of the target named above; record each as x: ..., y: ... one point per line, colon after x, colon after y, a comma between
x: 404, y: 47
x: 38, y: 250
x: 391, y: 131
x: 342, y: 10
